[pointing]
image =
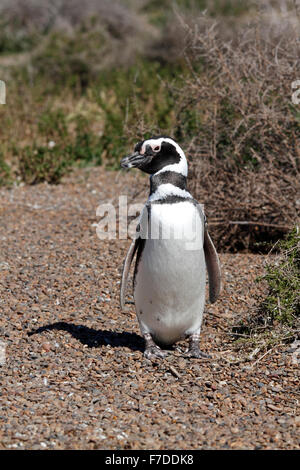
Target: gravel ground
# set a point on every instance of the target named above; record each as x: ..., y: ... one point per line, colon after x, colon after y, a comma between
x: 75, y: 376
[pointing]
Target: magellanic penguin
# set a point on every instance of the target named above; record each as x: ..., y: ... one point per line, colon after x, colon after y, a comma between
x: 172, y: 247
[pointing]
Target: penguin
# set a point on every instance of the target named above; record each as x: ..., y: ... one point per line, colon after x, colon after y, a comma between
x: 173, y: 250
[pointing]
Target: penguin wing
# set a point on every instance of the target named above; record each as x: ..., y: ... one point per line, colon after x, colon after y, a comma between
x: 213, y: 267
x: 211, y: 259
x: 126, y: 267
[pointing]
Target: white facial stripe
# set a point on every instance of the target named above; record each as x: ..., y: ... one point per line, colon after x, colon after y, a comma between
x: 155, y: 144
x: 180, y: 167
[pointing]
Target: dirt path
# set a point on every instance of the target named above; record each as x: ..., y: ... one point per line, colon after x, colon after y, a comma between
x: 75, y: 376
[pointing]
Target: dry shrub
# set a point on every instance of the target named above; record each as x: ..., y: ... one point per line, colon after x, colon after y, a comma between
x: 243, y: 130
x: 246, y: 210
x: 43, y: 16
x: 64, y: 37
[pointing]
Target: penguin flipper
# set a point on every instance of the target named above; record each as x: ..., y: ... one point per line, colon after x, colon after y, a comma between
x: 213, y: 268
x: 126, y: 267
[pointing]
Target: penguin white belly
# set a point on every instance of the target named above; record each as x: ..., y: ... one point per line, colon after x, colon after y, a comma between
x: 170, y: 278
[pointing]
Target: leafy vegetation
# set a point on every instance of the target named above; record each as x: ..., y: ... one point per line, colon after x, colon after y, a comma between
x: 4, y: 171
x: 12, y: 42
x: 282, y: 304
x: 277, y: 317
x: 41, y: 163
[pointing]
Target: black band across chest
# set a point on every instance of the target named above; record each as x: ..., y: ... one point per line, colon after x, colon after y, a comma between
x: 167, y: 177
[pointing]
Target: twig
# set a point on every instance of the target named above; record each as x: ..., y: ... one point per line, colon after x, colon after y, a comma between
x: 174, y: 372
x: 264, y: 355
x: 263, y: 224
x: 253, y: 353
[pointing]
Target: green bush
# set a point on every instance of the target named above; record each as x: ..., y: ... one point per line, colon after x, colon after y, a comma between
x: 41, y: 163
x: 276, y: 318
x: 86, y: 148
x: 64, y: 61
x: 5, y: 176
x: 282, y: 304
x: 15, y: 39
x: 66, y: 142
x: 52, y: 124
x: 137, y: 101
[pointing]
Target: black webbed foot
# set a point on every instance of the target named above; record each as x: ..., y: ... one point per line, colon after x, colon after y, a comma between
x: 194, y: 350
x: 152, y: 350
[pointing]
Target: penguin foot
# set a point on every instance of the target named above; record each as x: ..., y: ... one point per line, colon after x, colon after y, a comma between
x: 195, y: 352
x: 152, y: 350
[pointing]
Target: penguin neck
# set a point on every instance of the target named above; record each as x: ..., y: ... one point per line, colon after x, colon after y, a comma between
x: 180, y: 167
x: 168, y: 183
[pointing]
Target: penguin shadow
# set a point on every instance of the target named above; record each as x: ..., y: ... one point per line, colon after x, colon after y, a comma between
x: 95, y: 338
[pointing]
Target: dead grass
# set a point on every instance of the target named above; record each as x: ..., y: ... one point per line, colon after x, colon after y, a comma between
x: 244, y: 136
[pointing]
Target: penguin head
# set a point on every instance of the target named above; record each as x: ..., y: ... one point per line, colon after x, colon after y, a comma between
x: 155, y: 155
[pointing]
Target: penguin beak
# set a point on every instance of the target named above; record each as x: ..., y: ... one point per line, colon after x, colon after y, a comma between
x: 132, y: 161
